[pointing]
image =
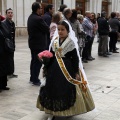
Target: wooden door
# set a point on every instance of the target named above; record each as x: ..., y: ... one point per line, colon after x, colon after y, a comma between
x: 80, y: 6
x: 105, y: 7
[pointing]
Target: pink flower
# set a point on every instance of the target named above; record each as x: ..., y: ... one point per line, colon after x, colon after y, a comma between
x: 45, y: 54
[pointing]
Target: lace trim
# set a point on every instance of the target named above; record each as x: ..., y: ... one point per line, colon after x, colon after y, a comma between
x: 58, y: 104
x: 67, y: 46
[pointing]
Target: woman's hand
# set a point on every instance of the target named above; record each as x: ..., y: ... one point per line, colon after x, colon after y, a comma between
x: 77, y: 76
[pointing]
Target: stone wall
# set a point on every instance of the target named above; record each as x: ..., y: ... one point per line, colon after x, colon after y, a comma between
x: 21, y: 31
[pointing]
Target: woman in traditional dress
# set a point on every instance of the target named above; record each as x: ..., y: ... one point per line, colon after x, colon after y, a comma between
x: 66, y: 92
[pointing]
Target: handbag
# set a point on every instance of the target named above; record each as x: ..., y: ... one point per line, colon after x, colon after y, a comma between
x: 9, y: 45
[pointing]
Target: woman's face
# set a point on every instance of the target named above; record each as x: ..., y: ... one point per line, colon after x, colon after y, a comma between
x: 62, y: 31
x: 81, y: 21
x: 92, y: 16
x: 9, y: 14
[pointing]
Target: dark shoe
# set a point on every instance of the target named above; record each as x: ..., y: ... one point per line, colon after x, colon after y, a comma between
x: 30, y: 82
x: 115, y: 52
x: 6, y: 88
x: 117, y: 48
x: 90, y: 59
x: 108, y: 53
x: 37, y: 84
x: 85, y: 61
x: 110, y: 50
x: 100, y: 54
x: 0, y: 90
x: 105, y: 55
x: 12, y: 76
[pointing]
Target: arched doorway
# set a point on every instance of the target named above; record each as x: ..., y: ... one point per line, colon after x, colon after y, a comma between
x: 80, y: 6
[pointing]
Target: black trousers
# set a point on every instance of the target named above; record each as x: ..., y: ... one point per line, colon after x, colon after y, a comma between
x: 10, y: 63
x: 90, y: 46
x: 35, y: 66
x: 87, y: 49
x: 113, y: 41
x: 3, y: 81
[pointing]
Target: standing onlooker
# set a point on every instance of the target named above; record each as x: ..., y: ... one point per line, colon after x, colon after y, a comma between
x: 9, y: 28
x: 75, y: 23
x: 114, y: 25
x: 103, y: 30
x: 98, y: 16
x: 88, y: 28
x: 37, y: 31
x: 82, y: 35
x: 95, y: 28
x: 118, y: 15
x: 3, y: 62
x: 55, y: 19
x: 47, y: 17
x: 49, y: 9
x: 67, y: 13
x: 62, y: 7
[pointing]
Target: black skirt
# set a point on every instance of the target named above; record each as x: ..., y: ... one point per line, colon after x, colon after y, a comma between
x: 58, y: 94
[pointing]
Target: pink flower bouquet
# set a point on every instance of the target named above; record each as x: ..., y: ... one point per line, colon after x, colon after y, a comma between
x: 45, y: 56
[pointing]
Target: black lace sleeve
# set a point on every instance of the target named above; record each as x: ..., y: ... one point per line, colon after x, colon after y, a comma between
x: 74, y: 58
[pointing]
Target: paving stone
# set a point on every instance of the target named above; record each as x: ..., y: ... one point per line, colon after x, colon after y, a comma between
x: 13, y: 115
x: 1, y: 118
x: 106, y: 89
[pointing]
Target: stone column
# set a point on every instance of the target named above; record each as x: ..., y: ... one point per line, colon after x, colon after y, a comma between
x: 99, y: 6
x: 114, y: 5
x: 57, y: 4
x: 95, y: 6
x: 0, y: 6
x: 91, y: 5
x: 118, y: 5
x: 15, y: 11
x: 4, y: 7
x: 87, y: 6
x: 70, y: 3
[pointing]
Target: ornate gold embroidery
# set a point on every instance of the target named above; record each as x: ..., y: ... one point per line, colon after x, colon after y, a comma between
x: 82, y: 83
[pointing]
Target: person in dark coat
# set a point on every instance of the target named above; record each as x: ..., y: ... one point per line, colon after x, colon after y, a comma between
x: 103, y: 30
x: 47, y: 17
x: 9, y: 32
x: 49, y: 9
x: 37, y: 32
x: 3, y: 63
x: 114, y: 25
